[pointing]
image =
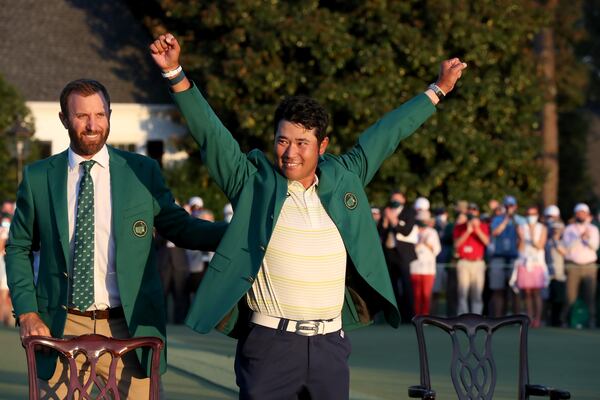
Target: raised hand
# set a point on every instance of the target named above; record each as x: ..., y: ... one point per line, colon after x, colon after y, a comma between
x: 450, y: 72
x: 165, y: 52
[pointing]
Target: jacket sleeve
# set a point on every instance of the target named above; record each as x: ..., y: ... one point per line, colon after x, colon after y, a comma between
x: 175, y: 224
x: 381, y: 139
x: 23, y: 240
x: 221, y: 153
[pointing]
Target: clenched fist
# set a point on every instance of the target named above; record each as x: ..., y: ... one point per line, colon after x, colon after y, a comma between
x: 165, y: 52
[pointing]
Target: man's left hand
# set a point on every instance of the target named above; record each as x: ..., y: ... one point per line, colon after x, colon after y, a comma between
x: 450, y: 72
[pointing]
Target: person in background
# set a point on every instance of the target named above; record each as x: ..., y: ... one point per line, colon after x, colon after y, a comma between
x: 423, y: 269
x: 195, y: 205
x: 6, y: 316
x: 399, y: 235
x: 421, y: 204
x: 581, y: 241
x: 198, y: 260
x: 8, y: 208
x: 470, y: 240
x: 555, y: 260
x: 460, y: 216
x: 530, y: 267
x: 505, y: 252
x: 376, y: 214
x: 443, y: 259
x: 227, y: 212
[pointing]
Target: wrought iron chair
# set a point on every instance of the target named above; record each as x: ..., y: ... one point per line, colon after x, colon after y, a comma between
x: 92, y: 346
x: 473, y: 370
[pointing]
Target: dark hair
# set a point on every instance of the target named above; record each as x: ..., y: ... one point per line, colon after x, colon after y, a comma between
x: 84, y: 87
x: 304, y: 111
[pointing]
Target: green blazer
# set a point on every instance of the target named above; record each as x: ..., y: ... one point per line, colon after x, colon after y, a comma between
x: 40, y: 223
x: 257, y: 192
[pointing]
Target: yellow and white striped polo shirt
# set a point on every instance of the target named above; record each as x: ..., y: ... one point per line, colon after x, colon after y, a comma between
x: 303, y: 273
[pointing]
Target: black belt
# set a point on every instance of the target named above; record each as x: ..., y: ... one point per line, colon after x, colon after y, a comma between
x: 109, y: 313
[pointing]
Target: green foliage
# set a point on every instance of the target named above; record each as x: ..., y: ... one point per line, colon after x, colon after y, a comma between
x: 576, y: 37
x: 364, y: 58
x: 12, y: 111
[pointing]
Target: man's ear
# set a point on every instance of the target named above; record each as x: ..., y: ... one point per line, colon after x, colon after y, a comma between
x: 63, y: 119
x: 323, y: 145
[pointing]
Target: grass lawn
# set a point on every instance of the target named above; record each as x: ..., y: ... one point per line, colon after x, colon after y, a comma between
x: 384, y: 363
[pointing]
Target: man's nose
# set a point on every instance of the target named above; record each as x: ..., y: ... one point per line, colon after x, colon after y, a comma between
x: 92, y: 124
x: 290, y: 151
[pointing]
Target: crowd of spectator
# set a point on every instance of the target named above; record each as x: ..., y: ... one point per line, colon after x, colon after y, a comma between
x: 496, y: 262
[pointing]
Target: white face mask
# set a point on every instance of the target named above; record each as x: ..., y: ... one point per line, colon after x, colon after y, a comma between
x: 532, y: 219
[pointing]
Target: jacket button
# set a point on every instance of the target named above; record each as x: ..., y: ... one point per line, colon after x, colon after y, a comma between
x: 272, y: 216
x: 64, y: 307
x: 66, y: 274
x: 249, y: 279
x: 262, y: 248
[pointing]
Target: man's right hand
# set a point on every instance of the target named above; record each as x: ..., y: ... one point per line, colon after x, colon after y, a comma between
x: 31, y: 324
x: 165, y: 52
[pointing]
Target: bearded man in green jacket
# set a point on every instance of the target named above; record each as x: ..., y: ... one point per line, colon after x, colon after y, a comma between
x: 90, y: 211
x: 301, y: 259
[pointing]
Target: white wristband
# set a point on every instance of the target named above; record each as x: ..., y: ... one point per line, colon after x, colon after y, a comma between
x: 172, y: 73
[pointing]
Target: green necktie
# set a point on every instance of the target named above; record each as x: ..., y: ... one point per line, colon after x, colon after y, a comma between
x: 83, y: 258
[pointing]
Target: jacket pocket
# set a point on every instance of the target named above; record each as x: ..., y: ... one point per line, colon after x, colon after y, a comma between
x: 219, y: 262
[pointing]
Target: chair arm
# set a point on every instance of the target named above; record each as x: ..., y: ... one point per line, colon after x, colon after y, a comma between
x: 421, y: 392
x: 541, y: 390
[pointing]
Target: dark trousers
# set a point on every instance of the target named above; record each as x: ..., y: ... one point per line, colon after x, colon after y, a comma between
x: 399, y: 270
x: 174, y: 273
x: 451, y: 291
x: 271, y: 364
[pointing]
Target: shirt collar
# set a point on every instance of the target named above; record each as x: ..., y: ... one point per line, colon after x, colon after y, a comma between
x: 100, y: 157
x: 298, y: 185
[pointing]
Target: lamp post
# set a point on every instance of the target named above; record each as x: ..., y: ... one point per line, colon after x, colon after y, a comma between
x: 20, y: 134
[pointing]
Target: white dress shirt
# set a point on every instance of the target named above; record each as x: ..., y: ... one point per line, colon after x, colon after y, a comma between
x: 106, y: 290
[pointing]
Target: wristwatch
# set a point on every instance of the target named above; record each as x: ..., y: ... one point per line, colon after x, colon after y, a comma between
x: 438, y: 92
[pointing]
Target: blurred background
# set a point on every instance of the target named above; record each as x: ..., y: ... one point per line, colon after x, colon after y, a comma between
x: 524, y: 119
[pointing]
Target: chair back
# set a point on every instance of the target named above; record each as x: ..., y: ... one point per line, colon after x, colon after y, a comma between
x: 93, y: 346
x: 473, y: 369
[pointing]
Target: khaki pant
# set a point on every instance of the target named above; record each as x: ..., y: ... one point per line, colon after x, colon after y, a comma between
x: 582, y: 276
x: 132, y: 381
x: 471, y: 278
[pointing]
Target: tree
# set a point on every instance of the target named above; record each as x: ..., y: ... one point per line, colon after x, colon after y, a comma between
x: 363, y: 58
x: 13, y: 112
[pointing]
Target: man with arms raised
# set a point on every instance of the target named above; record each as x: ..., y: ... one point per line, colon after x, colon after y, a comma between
x: 301, y: 258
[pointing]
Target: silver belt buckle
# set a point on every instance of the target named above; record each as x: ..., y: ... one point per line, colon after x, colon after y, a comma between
x: 309, y: 328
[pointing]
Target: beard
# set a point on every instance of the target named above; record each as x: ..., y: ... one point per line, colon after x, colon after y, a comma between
x: 84, y: 147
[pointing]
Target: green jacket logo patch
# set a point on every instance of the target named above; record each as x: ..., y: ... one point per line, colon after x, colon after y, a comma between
x: 140, y: 228
x: 350, y: 201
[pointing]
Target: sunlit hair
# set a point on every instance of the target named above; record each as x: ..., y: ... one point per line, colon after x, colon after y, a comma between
x: 305, y: 111
x: 84, y: 87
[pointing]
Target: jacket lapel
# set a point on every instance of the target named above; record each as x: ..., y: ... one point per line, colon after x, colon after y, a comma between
x: 327, y: 183
x: 119, y: 171
x: 57, y: 182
